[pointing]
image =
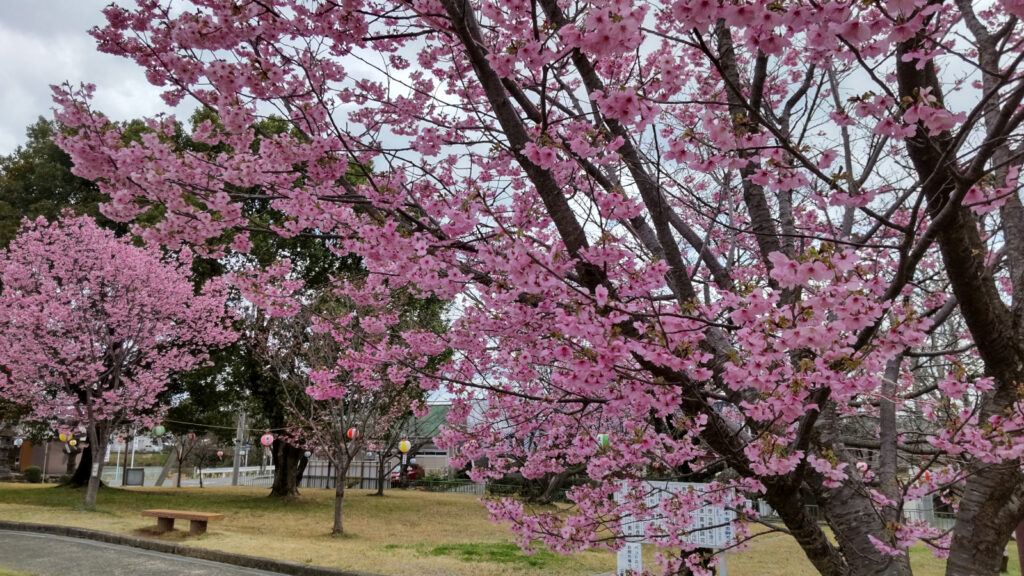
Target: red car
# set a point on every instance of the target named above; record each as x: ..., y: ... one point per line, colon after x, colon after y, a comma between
x: 413, y: 473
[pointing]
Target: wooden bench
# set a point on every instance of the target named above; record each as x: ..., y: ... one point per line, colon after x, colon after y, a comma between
x: 165, y: 519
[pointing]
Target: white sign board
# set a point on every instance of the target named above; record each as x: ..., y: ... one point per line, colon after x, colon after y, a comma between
x: 709, y: 527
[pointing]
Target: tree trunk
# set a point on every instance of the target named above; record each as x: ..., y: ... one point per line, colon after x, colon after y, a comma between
x: 339, y: 496
x: 1019, y: 535
x: 553, y: 484
x: 166, y: 470
x: 790, y: 507
x: 382, y: 470
x: 70, y: 469
x: 340, y: 478
x: 303, y: 462
x: 97, y: 446
x: 984, y: 521
x: 854, y: 521
x: 181, y: 460
x: 81, y: 474
x: 287, y: 459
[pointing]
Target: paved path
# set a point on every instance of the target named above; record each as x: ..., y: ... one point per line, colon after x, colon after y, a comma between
x: 46, y: 555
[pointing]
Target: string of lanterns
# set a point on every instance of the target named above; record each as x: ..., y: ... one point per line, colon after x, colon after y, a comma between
x: 267, y: 439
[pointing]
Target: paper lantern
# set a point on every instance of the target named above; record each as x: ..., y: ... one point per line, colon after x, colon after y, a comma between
x: 72, y: 442
x: 352, y: 434
x: 18, y: 441
x: 64, y: 436
x: 404, y: 446
x: 220, y: 453
x: 159, y: 430
x: 267, y: 439
x: 603, y: 441
x: 307, y: 453
x: 191, y: 435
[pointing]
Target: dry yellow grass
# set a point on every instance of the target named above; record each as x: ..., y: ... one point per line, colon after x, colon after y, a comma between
x: 394, y: 535
x: 404, y: 533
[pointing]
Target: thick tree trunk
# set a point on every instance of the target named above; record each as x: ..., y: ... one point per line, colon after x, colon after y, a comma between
x: 80, y: 476
x: 986, y: 517
x: 70, y: 469
x: 1019, y: 535
x: 819, y: 550
x: 303, y: 462
x: 97, y: 447
x: 854, y: 520
x: 553, y: 484
x: 287, y: 459
x: 990, y: 507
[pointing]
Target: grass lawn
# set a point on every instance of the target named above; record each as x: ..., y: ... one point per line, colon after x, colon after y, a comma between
x: 404, y: 533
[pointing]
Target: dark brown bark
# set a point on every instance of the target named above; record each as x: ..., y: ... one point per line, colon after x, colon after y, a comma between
x: 854, y: 520
x: 551, y: 487
x: 382, y: 471
x: 988, y: 509
x: 825, y: 557
x: 1019, y: 536
x: 80, y: 475
x: 288, y: 460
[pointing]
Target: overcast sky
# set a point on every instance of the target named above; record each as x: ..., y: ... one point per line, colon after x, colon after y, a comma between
x: 44, y: 42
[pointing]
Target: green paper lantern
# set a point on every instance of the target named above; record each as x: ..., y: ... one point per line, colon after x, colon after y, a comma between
x: 603, y: 441
x: 159, y: 430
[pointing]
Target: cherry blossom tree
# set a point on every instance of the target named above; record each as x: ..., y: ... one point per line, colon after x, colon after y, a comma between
x: 341, y: 398
x: 754, y: 242
x: 93, y: 326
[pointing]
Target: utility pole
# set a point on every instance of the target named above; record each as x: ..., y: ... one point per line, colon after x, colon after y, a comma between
x: 239, y: 445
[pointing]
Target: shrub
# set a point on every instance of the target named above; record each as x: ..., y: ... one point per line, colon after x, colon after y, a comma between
x: 34, y: 474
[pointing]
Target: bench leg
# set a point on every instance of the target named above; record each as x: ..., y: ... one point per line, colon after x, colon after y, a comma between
x: 164, y: 524
x: 197, y: 527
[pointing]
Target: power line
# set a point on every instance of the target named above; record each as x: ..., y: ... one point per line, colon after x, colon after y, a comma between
x: 224, y: 427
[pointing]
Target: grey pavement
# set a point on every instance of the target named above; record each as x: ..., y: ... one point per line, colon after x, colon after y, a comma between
x: 48, y: 555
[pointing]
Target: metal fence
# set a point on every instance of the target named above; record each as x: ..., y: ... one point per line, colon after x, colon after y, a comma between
x: 317, y: 475
x: 916, y: 510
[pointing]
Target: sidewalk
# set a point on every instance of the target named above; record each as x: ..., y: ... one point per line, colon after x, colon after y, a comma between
x: 48, y: 555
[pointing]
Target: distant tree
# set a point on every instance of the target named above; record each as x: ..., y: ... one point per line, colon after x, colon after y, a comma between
x: 92, y: 327
x: 328, y: 389
x: 36, y: 180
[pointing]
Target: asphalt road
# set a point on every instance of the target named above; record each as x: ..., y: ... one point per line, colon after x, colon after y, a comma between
x: 46, y: 555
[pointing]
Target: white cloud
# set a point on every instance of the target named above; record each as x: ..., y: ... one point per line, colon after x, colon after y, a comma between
x: 47, y: 42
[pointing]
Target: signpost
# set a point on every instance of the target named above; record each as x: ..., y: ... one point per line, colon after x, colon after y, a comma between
x: 710, y: 526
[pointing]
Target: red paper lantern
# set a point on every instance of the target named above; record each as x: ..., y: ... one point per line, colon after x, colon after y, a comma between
x: 220, y: 453
x: 267, y: 439
x: 352, y: 433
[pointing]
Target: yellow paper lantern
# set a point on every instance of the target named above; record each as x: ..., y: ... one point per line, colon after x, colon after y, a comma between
x: 404, y: 446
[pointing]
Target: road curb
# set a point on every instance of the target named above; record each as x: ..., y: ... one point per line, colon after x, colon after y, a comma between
x: 254, y: 562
